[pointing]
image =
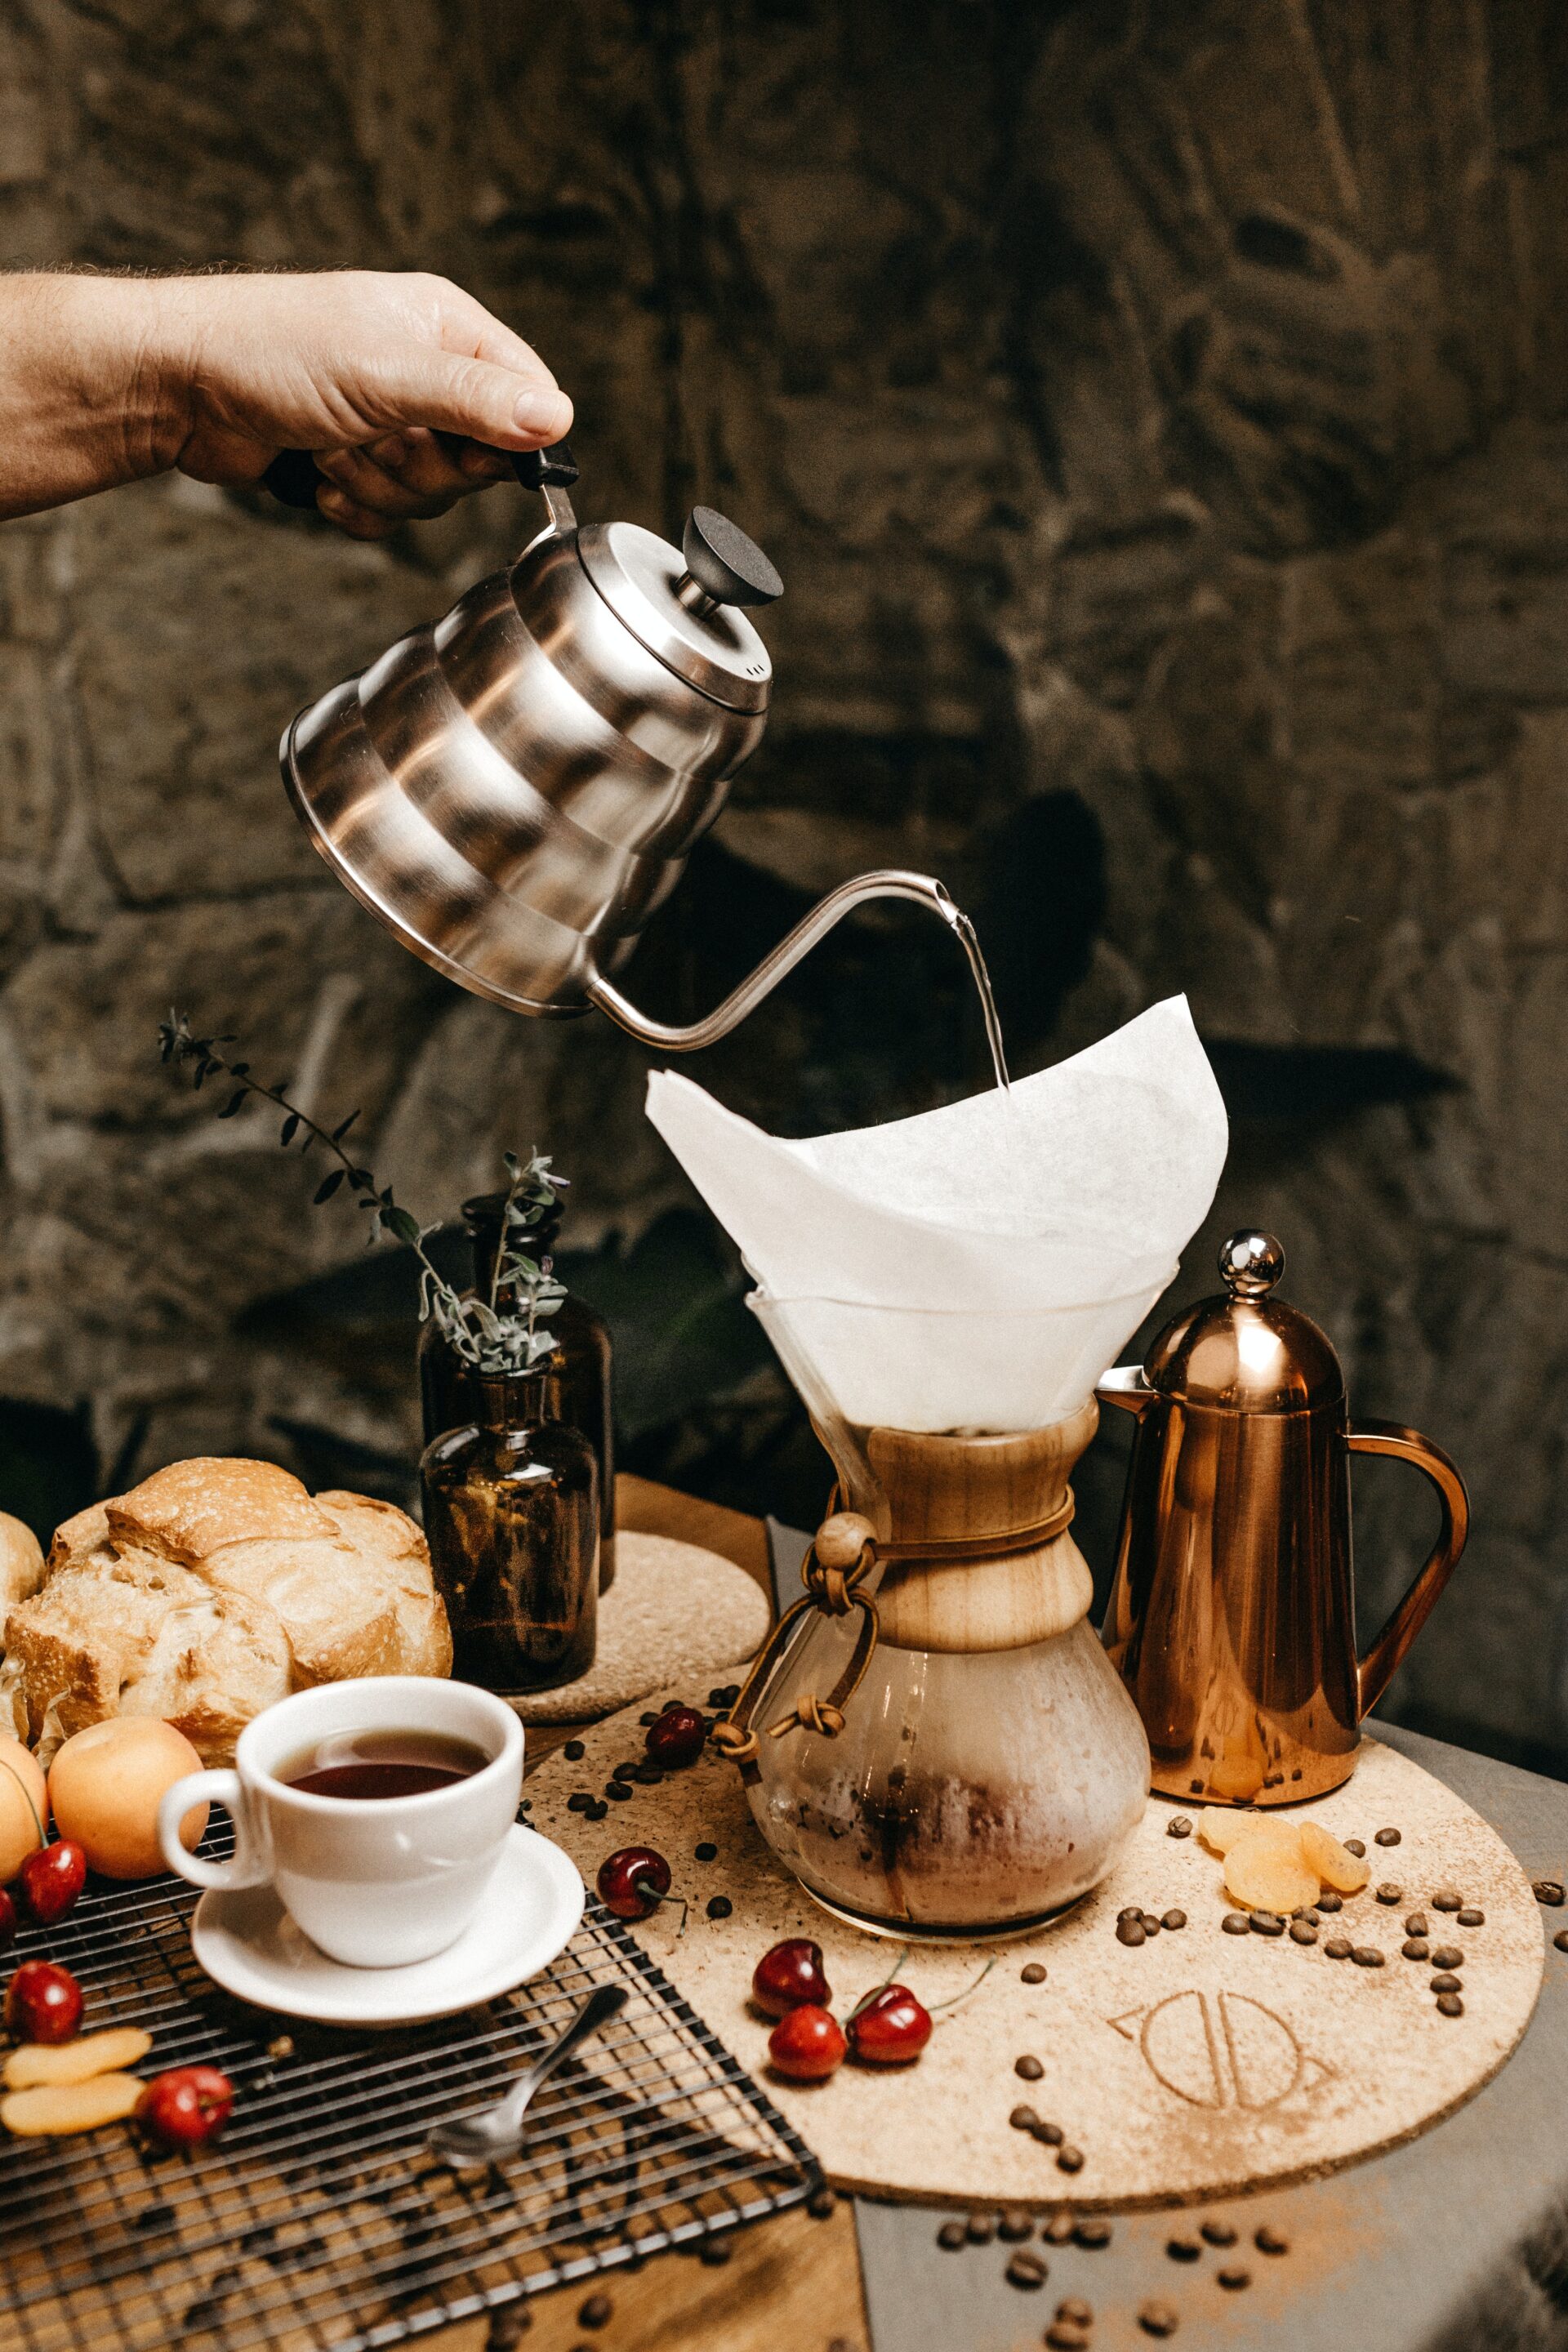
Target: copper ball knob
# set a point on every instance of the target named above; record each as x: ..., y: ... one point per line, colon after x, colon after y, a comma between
x: 1251, y: 1263
x: 841, y: 1540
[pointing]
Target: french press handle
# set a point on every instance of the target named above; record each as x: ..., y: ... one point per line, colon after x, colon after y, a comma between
x: 293, y: 476
x: 1375, y: 1671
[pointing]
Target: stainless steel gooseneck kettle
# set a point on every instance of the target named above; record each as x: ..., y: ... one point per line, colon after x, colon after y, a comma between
x: 514, y: 789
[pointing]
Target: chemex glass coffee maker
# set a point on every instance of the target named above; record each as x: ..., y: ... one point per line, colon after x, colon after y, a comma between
x: 515, y: 789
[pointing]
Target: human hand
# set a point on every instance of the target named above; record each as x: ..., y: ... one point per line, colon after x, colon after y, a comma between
x: 402, y: 386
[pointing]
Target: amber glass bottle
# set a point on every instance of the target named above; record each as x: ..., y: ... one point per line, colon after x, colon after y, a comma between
x: 511, y: 1514
x: 582, y: 1362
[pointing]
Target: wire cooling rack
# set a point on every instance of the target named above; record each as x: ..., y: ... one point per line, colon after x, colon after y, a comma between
x: 320, y: 2219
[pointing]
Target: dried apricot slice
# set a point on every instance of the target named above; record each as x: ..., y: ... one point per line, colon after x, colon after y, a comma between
x: 58, y: 2107
x: 1266, y: 1872
x: 1346, y: 1872
x: 31, y: 2066
x: 1219, y: 1827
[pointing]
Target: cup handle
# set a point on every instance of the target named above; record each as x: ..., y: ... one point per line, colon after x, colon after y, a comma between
x: 248, y: 1866
x: 1375, y: 1671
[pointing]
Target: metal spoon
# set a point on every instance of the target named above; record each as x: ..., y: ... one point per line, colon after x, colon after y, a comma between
x: 496, y: 2132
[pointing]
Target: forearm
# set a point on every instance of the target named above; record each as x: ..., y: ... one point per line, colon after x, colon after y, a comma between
x: 89, y: 386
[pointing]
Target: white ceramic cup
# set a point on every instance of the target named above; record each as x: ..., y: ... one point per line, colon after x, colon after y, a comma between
x: 375, y: 1882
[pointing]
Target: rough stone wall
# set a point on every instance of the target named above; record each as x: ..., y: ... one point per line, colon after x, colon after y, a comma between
x: 1160, y: 416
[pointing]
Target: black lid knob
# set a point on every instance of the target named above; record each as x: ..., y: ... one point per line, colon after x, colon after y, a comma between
x: 726, y: 565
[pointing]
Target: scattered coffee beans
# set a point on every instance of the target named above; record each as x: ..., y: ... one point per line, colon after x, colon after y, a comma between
x: 1029, y: 2070
x: 1027, y: 2270
x: 1234, y: 1924
x: 1236, y: 2277
x: 1416, y: 1924
x: 1034, y: 1974
x: 1151, y: 1923
x: 1445, y: 1982
x: 1389, y: 1893
x: 1069, y: 2159
x: 1075, y: 2312
x: 1218, y: 2233
x: 1548, y: 1891
x: 1366, y: 1956
x: 1386, y: 1837
x: 1414, y: 1947
x: 714, y: 2253
x: 1173, y: 1919
x: 1447, y: 1955
x: 1469, y: 1917
x: 821, y: 2203
x: 1266, y: 1923
x: 1447, y: 1900
x: 1023, y: 2119
x: 1058, y: 2230
x: 1182, y: 2250
x: 1451, y: 2004
x: 1048, y: 2135
x: 1091, y: 2232
x: 1180, y: 1827
x: 574, y: 1751
x: 1355, y: 1845
x: 1560, y: 1940
x: 1130, y: 1931
x: 1303, y: 1932
x: 1330, y: 1901
x: 953, y: 2234
x: 507, y: 2329
x: 597, y: 2312
x: 578, y: 1802
x: 1157, y: 2318
x: 707, y: 1852
x: 980, y: 2229
x: 1269, y: 2240
x: 719, y: 1906
x: 1016, y: 2226
x: 1338, y: 1948
x: 1062, y: 2335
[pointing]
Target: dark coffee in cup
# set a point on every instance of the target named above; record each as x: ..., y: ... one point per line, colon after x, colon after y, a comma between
x: 361, y: 1764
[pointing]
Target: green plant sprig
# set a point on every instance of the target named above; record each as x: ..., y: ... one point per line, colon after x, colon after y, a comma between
x: 489, y: 1337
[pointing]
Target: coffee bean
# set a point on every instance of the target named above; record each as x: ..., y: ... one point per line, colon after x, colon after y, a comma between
x: 1447, y: 1955
x: 1048, y: 2135
x: 953, y: 2234
x: 1063, y: 2337
x: 1416, y: 1924
x: 1303, y: 1932
x: 821, y: 2203
x: 1451, y: 2004
x: 707, y: 1851
x: 1034, y: 1974
x: 1469, y: 1917
x: 1445, y: 1982
x: 596, y: 1810
x: 597, y: 2312
x: 1131, y: 1931
x: 1306, y: 1911
x: 1182, y: 2250
x: 626, y: 1767
x: 1130, y: 1911
x: 618, y: 1792
x: 1447, y: 1900
x: 578, y: 1802
x: 1559, y: 1941
x: 1217, y: 2233
x: 1016, y: 2226
x: 1234, y: 2277
x: 647, y: 1776
x: 1151, y: 1923
x: 1234, y: 1924
x: 1389, y: 1893
x: 719, y: 1906
x: 1023, y: 2119
x: 1058, y: 2230
x: 1386, y: 1837
x: 981, y: 2229
x: 1338, y: 1948
x: 507, y: 2329
x: 1028, y: 2069
x: 1027, y: 2270
x: 574, y: 1751
x: 1415, y: 1948
x: 1330, y: 1901
x: 1069, y: 2159
x: 714, y: 2253
x: 1196, y: 1787
x: 1173, y: 1919
x: 1266, y: 1923
x: 1075, y: 2312
x: 1157, y: 2318
x: 1366, y: 1956
x: 1091, y: 2232
x: 1548, y: 1891
x: 651, y: 1716
x: 1269, y: 2240
x: 1180, y: 1827
x: 1355, y: 1845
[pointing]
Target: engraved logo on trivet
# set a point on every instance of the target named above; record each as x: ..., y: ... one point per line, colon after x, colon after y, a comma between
x: 1224, y: 2050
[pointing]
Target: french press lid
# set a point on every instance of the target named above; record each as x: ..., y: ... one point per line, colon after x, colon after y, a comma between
x: 1245, y: 1350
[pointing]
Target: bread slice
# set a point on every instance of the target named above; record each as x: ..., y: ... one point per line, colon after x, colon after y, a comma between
x: 384, y: 1536
x: 335, y: 1605
x: 187, y: 1510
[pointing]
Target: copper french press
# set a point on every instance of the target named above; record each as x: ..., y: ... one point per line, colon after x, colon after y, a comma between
x: 1232, y: 1615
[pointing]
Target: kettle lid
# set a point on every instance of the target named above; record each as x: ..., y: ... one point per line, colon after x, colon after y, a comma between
x: 1245, y: 1350
x: 684, y: 605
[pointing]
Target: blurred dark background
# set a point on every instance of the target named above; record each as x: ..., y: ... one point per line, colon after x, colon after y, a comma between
x: 1160, y: 418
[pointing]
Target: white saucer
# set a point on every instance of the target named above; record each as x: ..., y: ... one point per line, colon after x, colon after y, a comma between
x: 248, y: 1943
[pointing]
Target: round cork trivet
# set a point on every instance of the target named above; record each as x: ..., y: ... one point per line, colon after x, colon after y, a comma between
x: 674, y: 1611
x: 1194, y: 2065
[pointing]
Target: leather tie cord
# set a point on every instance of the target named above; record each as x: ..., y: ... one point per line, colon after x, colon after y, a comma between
x: 835, y: 1592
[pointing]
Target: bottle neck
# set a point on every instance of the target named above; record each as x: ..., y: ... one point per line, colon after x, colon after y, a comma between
x: 516, y: 1399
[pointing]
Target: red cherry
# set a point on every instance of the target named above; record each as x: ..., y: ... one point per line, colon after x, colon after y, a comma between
x: 51, y: 1879
x: 891, y: 2028
x: 633, y: 1882
x: 790, y: 1977
x: 187, y: 2105
x: 806, y: 2043
x: 43, y: 2003
x: 7, y: 1919
x: 677, y: 1738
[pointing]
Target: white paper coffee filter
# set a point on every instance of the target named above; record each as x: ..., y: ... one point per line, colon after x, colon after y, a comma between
x: 1065, y: 1203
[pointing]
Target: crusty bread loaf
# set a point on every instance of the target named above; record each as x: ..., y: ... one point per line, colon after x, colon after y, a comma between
x: 209, y: 1590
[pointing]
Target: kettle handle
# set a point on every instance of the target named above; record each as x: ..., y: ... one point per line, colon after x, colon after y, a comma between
x: 293, y: 479
x: 1375, y: 1671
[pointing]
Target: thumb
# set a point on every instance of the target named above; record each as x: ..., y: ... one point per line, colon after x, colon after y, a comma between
x: 472, y: 398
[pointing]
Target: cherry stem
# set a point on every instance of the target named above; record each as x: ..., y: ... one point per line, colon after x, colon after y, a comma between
x: 953, y: 1999
x: 900, y: 1957
x: 645, y: 1886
